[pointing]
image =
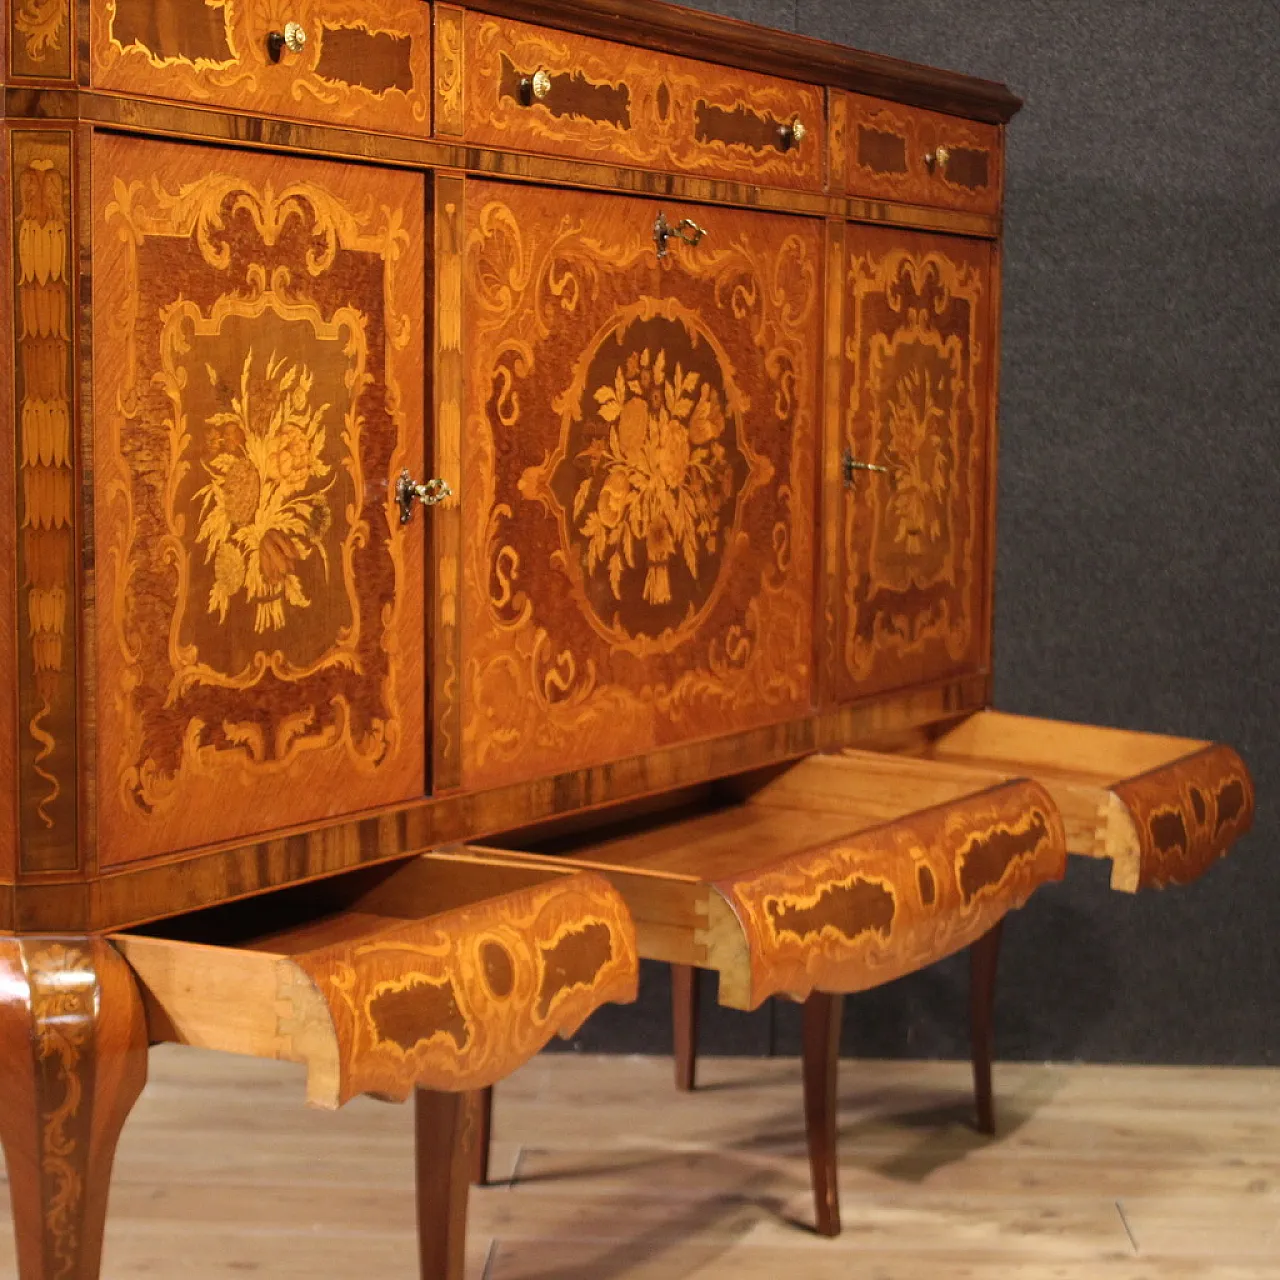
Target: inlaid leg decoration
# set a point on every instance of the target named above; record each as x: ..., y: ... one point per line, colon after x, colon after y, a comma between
x: 479, y: 1133
x: 822, y: 1018
x: 73, y: 1059
x: 444, y: 1167
x: 984, y: 960
x: 684, y: 1025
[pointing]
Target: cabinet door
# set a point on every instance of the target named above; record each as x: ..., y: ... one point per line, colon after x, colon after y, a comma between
x: 915, y: 580
x: 258, y: 356
x: 638, y: 478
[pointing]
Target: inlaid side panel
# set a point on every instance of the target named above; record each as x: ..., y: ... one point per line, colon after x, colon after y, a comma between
x: 537, y: 89
x: 365, y: 63
x: 922, y: 157
x: 40, y: 39
x: 44, y: 413
x: 638, y: 462
x: 917, y: 411
x: 258, y: 347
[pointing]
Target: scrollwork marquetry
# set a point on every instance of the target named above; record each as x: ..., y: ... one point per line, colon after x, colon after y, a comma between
x: 871, y: 907
x: 359, y: 56
x: 40, y: 39
x: 256, y: 603
x: 43, y: 331
x: 615, y: 102
x: 639, y: 457
x: 1187, y: 814
x: 460, y: 1000
x: 450, y: 36
x: 917, y: 405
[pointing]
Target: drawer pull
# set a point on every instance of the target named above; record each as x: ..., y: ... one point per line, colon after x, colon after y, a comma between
x: 793, y: 134
x: 849, y: 465
x: 429, y: 494
x: 937, y: 159
x: 686, y: 229
x: 293, y: 38
x: 535, y: 88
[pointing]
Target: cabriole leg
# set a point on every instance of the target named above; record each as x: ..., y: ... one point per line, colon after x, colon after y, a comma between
x: 73, y: 1059
x: 444, y: 1176
x: 684, y: 1024
x: 822, y: 1017
x: 984, y: 960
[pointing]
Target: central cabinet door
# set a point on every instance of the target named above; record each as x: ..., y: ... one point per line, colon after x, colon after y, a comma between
x: 258, y: 385
x: 638, y: 465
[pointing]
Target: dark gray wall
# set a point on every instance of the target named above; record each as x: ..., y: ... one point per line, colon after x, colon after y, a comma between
x: 1138, y: 573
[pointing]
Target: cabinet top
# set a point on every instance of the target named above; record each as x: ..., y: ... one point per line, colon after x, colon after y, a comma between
x: 694, y: 33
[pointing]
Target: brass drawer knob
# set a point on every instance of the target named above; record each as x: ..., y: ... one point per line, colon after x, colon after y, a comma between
x: 686, y: 229
x: 536, y: 87
x: 937, y: 159
x: 793, y: 134
x: 293, y: 38
x: 429, y: 494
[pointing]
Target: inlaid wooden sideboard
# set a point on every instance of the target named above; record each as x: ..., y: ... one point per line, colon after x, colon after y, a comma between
x: 492, y: 493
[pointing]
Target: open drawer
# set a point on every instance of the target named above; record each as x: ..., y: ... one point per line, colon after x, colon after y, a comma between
x: 443, y: 972
x: 1162, y: 809
x: 814, y: 876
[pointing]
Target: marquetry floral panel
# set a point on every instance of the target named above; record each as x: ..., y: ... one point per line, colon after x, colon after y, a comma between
x: 359, y: 56
x: 917, y: 363
x: 621, y: 105
x: 258, y: 335
x: 638, y: 459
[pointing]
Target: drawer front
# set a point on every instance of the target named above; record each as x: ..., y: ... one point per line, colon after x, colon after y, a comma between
x: 257, y: 357
x: 638, y: 458
x: 921, y: 157
x: 915, y: 455
x: 538, y: 90
x: 356, y: 57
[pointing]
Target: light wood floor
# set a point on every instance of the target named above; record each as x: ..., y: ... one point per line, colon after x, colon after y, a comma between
x: 1118, y: 1174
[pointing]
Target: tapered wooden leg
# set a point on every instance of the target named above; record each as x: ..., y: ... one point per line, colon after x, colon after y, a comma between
x: 684, y: 1024
x: 444, y: 1179
x: 73, y: 1059
x: 479, y: 1133
x: 984, y: 960
x: 822, y: 1016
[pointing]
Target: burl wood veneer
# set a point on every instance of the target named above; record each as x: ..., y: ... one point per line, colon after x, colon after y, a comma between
x: 428, y: 423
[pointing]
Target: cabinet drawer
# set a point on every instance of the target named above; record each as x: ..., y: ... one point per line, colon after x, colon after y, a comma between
x: 443, y: 972
x: 921, y: 157
x: 333, y: 61
x: 824, y: 875
x: 540, y: 90
x: 1162, y: 810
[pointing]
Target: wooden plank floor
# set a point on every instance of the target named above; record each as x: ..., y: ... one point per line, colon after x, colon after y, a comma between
x: 1113, y: 1173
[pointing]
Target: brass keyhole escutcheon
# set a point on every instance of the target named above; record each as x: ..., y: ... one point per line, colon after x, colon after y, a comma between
x: 850, y: 466
x: 936, y: 160
x: 293, y: 38
x: 429, y: 493
x: 685, y: 230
